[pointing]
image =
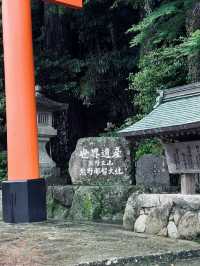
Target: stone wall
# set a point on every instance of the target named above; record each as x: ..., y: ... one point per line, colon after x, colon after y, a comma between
x: 172, y: 215
x: 89, y: 203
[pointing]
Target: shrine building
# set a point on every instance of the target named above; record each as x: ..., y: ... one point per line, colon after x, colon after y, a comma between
x: 175, y: 120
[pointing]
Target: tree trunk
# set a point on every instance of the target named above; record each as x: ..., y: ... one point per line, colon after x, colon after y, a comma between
x: 193, y: 24
x: 53, y: 28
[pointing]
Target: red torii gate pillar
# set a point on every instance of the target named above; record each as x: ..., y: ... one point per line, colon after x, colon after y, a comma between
x: 24, y: 194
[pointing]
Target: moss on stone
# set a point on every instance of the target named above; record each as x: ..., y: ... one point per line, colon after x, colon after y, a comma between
x: 93, y: 203
x: 91, y: 208
x: 55, y: 210
x: 87, y: 207
x: 86, y: 204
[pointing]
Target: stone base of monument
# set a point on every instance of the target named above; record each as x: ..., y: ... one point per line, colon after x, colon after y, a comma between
x: 172, y: 215
x: 89, y: 203
x: 24, y: 201
x: 101, y: 174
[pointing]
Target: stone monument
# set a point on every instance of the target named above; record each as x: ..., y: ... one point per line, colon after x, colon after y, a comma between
x: 46, y: 131
x: 102, y: 161
x: 100, y: 170
x: 151, y: 170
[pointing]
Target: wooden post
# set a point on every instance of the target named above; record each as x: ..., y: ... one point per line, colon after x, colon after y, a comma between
x: 23, y: 162
x: 188, y: 184
x: 24, y: 194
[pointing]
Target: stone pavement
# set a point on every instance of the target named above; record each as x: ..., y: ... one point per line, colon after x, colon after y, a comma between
x: 63, y: 243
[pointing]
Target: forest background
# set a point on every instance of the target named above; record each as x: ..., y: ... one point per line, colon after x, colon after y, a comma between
x: 107, y: 62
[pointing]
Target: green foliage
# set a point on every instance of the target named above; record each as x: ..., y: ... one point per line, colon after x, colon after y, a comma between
x: 165, y: 46
x: 158, y: 71
x: 56, y: 210
x: 88, y: 208
x: 148, y: 28
x: 84, y: 57
x: 191, y: 45
x: 149, y: 147
x: 3, y: 166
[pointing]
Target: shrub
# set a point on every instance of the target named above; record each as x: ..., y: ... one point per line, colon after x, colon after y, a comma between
x: 3, y: 165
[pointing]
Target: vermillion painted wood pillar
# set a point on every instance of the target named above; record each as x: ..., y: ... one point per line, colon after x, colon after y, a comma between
x: 22, y: 140
x: 70, y: 3
x: 24, y: 196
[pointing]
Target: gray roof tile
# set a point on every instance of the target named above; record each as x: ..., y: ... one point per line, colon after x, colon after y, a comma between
x: 174, y: 112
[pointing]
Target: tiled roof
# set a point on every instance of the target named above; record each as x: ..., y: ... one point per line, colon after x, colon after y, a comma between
x: 176, y: 109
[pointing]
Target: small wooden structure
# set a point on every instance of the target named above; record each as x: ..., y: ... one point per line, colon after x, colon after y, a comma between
x: 175, y: 120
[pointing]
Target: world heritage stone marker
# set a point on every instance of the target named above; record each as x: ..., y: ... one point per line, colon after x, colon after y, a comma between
x: 24, y: 194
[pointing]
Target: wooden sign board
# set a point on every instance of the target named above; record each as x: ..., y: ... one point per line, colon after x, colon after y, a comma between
x: 183, y: 157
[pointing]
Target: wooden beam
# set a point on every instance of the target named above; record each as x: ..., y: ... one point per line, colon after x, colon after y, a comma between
x: 69, y: 3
